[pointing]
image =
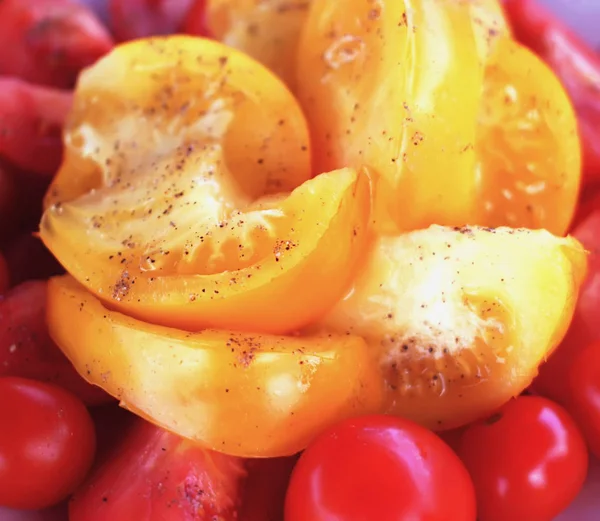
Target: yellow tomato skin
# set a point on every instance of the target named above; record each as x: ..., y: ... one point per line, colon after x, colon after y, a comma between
x: 268, y: 30
x: 528, y: 148
x: 186, y: 199
x: 242, y: 394
x: 314, y: 238
x: 461, y: 318
x: 395, y: 85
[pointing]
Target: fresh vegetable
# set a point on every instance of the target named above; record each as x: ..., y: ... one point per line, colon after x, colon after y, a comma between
x: 49, y: 41
x: 584, y: 381
x: 31, y: 122
x: 379, y: 467
x: 154, y: 475
x: 527, y: 462
x: 131, y: 19
x: 27, y: 351
x: 213, y: 241
x: 574, y: 63
x: 47, y: 443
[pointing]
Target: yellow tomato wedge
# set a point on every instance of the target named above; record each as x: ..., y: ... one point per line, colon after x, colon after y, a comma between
x: 173, y: 201
x: 268, y: 30
x: 528, y: 150
x: 489, y: 25
x: 461, y: 318
x: 395, y: 85
x: 242, y: 394
x: 274, y: 267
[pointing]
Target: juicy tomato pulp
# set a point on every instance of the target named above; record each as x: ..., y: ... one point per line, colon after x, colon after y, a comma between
x: 47, y: 443
x: 379, y: 467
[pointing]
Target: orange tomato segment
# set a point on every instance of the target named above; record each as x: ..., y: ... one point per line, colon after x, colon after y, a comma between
x: 268, y: 30
x: 395, y: 85
x: 528, y: 150
x: 461, y: 318
x: 171, y: 208
x: 246, y: 395
x: 254, y: 270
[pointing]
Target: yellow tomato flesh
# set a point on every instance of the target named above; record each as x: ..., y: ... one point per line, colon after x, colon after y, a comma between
x: 461, y: 318
x: 395, y: 85
x: 173, y: 202
x: 243, y: 394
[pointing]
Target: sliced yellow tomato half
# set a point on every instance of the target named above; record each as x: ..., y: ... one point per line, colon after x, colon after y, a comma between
x: 242, y: 394
x: 396, y: 85
x: 173, y: 201
x: 268, y: 30
x: 528, y: 149
x: 489, y: 25
x: 461, y: 318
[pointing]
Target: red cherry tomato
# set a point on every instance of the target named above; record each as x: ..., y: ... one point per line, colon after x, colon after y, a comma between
x: 195, y: 21
x: 47, y: 443
x: 154, y: 475
x: 48, y: 42
x: 132, y: 19
x: 379, y: 468
x: 527, y: 463
x: 585, y: 390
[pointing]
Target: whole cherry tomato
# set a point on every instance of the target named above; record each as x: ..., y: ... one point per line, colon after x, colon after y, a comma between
x: 47, y: 443
x: 527, y: 463
x: 584, y: 380
x: 383, y: 468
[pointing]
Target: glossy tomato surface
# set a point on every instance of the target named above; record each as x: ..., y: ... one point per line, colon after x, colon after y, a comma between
x: 383, y: 468
x: 47, y: 445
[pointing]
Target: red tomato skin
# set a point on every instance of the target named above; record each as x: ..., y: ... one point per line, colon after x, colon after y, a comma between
x: 4, y: 275
x: 584, y: 379
x: 47, y: 447
x: 31, y: 122
x: 553, y: 378
x: 383, y: 468
x: 195, y: 21
x: 26, y: 349
x: 154, y: 476
x: 529, y: 462
x: 573, y: 61
x: 263, y: 497
x: 50, y: 41
x: 131, y: 19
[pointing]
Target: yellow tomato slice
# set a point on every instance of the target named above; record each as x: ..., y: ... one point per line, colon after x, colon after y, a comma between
x: 268, y: 30
x: 396, y: 85
x: 528, y: 150
x: 274, y: 267
x: 160, y: 209
x: 242, y: 394
x: 461, y: 318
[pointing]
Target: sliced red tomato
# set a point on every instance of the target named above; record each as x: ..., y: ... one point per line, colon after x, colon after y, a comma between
x: 379, y: 467
x: 27, y: 351
x: 527, y: 462
x: 155, y: 475
x: 47, y: 443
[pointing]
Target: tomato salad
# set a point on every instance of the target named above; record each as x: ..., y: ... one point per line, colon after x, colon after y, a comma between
x: 297, y: 261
